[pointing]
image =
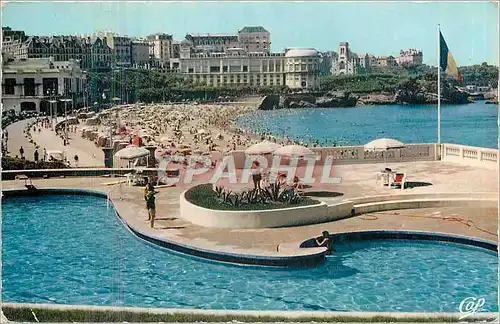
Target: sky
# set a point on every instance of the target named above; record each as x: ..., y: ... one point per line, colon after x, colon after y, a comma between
x: 381, y: 28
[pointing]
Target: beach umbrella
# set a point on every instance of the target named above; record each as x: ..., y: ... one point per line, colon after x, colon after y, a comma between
x: 201, y: 131
x: 294, y: 151
x: 166, y: 139
x: 383, y: 144
x: 264, y: 147
x: 185, y: 151
x: 131, y: 152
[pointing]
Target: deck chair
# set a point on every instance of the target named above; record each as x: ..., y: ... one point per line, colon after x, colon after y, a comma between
x: 399, y: 180
x: 27, y: 181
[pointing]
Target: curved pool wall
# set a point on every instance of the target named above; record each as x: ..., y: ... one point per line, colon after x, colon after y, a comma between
x: 404, y: 235
x: 307, y: 260
x: 146, y: 273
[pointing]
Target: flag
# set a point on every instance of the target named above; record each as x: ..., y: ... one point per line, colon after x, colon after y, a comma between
x: 446, y: 60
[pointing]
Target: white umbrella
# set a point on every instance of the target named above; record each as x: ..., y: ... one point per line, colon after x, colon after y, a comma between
x: 383, y: 144
x: 166, y: 139
x: 201, y: 131
x: 293, y: 150
x: 132, y: 152
x: 264, y: 147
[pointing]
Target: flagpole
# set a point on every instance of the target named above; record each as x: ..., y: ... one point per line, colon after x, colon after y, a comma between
x: 439, y: 87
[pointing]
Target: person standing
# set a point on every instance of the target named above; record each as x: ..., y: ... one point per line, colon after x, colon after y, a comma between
x: 151, y: 204
x: 256, y: 175
x: 21, y: 152
x: 35, y: 156
x: 145, y: 194
x: 44, y: 154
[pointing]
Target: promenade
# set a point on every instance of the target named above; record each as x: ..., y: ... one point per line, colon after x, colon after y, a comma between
x: 88, y: 154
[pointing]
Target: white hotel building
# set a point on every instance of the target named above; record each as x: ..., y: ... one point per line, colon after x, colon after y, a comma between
x: 296, y: 68
x: 30, y: 85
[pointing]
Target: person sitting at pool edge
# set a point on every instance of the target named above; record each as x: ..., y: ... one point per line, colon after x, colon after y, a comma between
x: 324, y: 241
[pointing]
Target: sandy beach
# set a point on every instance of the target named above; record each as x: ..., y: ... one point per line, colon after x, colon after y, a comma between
x: 207, y: 129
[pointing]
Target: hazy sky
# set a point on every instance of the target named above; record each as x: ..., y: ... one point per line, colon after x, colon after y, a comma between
x: 382, y: 28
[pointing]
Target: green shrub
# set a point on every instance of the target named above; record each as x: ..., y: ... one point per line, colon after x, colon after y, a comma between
x: 206, y: 196
x: 12, y: 163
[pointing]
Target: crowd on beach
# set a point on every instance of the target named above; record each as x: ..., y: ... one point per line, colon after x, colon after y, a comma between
x: 175, y: 129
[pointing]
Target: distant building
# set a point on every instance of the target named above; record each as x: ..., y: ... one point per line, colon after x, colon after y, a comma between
x: 121, y: 48
x: 410, y: 57
x: 30, y: 84
x: 296, y: 68
x: 161, y: 49
x: 13, y: 44
x: 140, y: 53
x: 254, y: 40
x: 348, y: 63
x: 386, y: 61
x: 302, y: 68
x: 212, y: 43
x: 90, y: 53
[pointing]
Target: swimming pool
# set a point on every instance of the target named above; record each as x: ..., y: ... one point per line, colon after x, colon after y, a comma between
x: 71, y: 249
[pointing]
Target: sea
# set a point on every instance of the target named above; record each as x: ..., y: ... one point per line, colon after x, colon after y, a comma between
x: 473, y: 124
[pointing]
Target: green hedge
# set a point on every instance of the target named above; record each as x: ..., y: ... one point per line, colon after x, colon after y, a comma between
x: 204, y: 196
x: 12, y: 163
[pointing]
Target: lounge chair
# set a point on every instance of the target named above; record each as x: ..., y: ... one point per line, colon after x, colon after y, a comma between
x: 399, y: 180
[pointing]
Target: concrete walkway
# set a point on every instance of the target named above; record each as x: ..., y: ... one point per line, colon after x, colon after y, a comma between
x: 358, y: 181
x: 88, y: 154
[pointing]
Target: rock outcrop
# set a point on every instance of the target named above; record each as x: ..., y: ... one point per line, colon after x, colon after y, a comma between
x: 377, y: 99
x: 335, y: 99
x: 286, y: 100
x: 301, y: 104
x: 269, y: 102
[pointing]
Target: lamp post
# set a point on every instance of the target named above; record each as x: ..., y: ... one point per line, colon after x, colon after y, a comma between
x: 65, y: 121
x: 51, y: 93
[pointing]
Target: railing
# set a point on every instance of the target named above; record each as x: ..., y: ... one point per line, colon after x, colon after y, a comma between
x: 358, y: 154
x: 471, y: 155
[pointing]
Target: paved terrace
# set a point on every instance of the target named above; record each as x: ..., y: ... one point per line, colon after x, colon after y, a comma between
x: 358, y: 180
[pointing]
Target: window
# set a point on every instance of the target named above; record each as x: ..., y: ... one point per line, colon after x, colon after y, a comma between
x: 29, y: 86
x: 191, y: 70
x: 224, y: 68
x: 245, y: 68
x: 10, y: 85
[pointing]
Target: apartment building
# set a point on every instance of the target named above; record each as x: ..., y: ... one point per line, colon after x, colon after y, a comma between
x: 90, y: 53
x: 121, y: 48
x: 161, y: 49
x: 140, y: 53
x: 254, y: 39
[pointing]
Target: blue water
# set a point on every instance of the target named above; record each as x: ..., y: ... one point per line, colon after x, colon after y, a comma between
x: 473, y: 124
x: 73, y: 250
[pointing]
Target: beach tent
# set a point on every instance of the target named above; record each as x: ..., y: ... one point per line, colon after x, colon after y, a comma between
x: 264, y: 147
x: 55, y: 155
x: 132, y: 152
x: 294, y: 151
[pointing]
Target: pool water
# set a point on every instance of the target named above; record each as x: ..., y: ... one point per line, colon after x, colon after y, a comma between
x: 69, y: 249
